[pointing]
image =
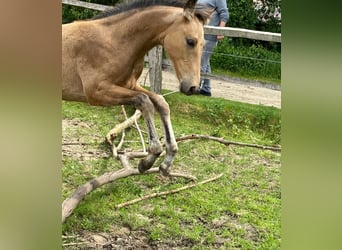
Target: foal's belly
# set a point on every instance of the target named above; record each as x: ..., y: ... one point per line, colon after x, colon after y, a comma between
x: 79, y: 97
x: 73, y: 91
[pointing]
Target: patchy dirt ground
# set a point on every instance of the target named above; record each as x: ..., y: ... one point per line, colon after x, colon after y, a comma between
x: 88, y: 148
x: 124, y: 238
x: 231, y: 90
x: 118, y: 237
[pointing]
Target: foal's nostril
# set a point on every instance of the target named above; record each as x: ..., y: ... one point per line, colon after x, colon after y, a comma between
x: 188, y: 88
x: 192, y: 90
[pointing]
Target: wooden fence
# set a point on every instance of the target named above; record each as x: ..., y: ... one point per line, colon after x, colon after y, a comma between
x: 224, y: 31
x: 155, y: 55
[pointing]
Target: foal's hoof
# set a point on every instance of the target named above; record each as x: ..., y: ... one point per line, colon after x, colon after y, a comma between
x: 142, y: 167
x: 164, y: 171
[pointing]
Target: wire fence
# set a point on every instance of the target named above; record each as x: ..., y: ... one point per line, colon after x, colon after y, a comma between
x: 247, y: 57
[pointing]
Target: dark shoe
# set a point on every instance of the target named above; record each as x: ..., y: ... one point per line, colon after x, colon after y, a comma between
x: 202, y: 92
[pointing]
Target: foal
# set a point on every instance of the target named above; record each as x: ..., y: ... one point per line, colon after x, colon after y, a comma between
x: 103, y: 58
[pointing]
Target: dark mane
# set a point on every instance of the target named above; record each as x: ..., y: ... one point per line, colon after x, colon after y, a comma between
x: 138, y: 4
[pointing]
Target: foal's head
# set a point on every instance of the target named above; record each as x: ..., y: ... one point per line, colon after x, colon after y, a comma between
x: 184, y: 43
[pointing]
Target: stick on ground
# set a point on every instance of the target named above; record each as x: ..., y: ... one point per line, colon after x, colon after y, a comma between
x: 149, y: 196
x: 225, y: 142
x: 75, y: 198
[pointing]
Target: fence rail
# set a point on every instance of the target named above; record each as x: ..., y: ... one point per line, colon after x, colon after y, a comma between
x: 224, y: 31
x: 92, y: 6
x: 243, y: 33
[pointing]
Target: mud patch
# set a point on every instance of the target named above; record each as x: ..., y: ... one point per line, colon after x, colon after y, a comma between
x: 80, y: 141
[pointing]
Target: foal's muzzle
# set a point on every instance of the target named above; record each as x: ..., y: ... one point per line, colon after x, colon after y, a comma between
x: 188, y: 88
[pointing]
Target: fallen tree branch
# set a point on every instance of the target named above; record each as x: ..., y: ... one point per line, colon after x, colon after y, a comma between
x: 123, y: 131
x: 118, y: 128
x: 149, y: 196
x: 72, y: 202
x: 140, y: 134
x: 123, y: 134
x: 78, y: 143
x: 225, y: 142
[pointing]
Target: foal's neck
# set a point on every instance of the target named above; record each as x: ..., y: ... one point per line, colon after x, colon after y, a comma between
x: 144, y: 29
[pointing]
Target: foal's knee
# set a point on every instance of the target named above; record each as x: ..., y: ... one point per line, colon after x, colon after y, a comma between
x: 174, y: 149
x: 162, y: 106
x: 144, y: 104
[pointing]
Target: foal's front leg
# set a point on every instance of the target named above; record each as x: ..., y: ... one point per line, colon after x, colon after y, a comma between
x: 170, y: 141
x: 106, y: 94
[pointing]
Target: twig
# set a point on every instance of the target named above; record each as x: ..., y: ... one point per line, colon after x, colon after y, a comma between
x: 140, y: 134
x: 139, y: 154
x: 118, y: 128
x: 114, y: 151
x: 68, y: 236
x: 169, y: 93
x: 149, y: 69
x: 126, y: 117
x: 149, y: 196
x: 78, y: 143
x: 135, y: 117
x: 185, y: 176
x: 74, y: 244
x: 123, y: 131
x: 124, y: 111
x: 135, y: 154
x: 225, y: 142
x: 116, y: 148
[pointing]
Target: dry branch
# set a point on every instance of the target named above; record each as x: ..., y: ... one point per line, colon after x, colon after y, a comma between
x: 120, y: 127
x: 77, y: 143
x: 225, y: 142
x: 149, y: 196
x: 140, y: 134
x: 123, y: 131
x: 74, y: 244
x: 72, y: 202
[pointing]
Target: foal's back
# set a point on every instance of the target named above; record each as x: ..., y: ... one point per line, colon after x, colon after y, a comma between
x: 92, y: 53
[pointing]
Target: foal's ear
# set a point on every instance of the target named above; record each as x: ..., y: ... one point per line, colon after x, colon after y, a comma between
x: 189, y: 9
x: 203, y: 13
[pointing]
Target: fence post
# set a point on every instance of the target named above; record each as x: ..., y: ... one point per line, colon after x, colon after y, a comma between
x: 155, y: 56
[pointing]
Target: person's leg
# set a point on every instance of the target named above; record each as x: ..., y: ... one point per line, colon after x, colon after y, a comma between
x: 205, y: 87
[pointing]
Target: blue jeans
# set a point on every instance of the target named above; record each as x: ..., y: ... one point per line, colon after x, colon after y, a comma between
x: 205, y: 64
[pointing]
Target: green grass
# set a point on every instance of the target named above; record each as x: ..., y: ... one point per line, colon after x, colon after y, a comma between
x: 252, y: 62
x: 243, y: 76
x: 241, y: 210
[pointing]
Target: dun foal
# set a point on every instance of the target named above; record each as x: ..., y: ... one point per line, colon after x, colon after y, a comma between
x: 103, y: 58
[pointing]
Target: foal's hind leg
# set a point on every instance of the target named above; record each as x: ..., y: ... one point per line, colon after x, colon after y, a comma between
x: 106, y: 94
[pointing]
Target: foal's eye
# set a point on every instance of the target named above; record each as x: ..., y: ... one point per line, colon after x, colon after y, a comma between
x: 191, y: 42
